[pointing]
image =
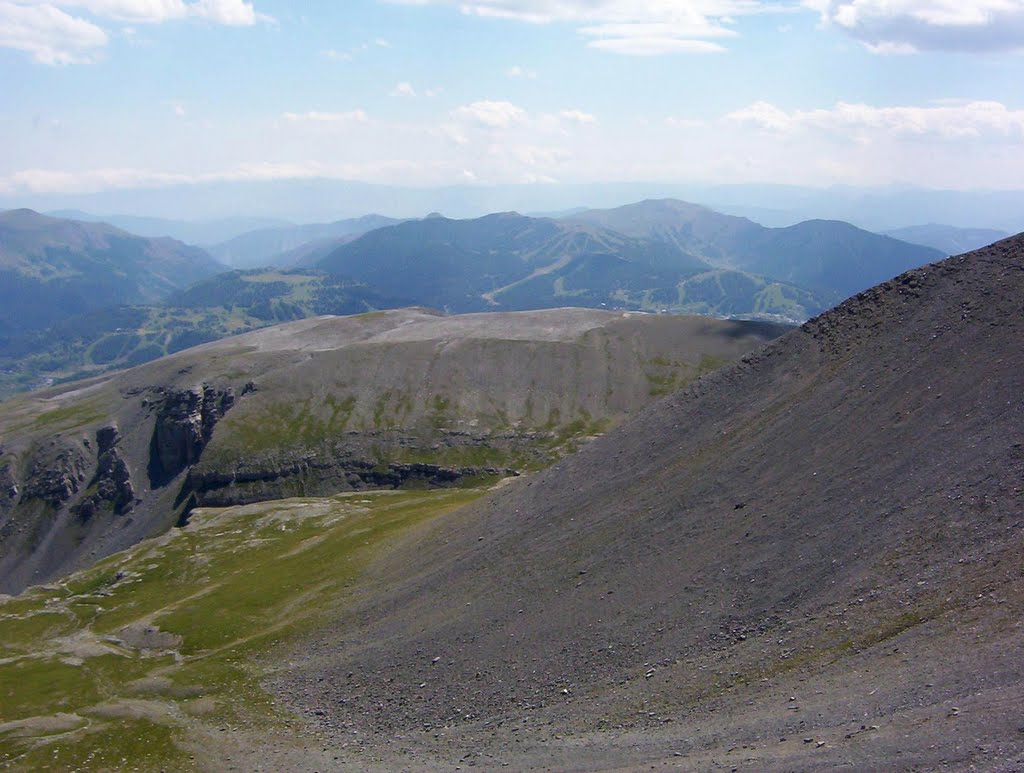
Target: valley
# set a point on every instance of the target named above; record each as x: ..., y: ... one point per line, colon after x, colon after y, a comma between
x: 805, y: 558
x: 658, y: 256
x: 542, y: 386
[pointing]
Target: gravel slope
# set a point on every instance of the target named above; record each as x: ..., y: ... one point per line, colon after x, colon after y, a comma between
x: 810, y: 560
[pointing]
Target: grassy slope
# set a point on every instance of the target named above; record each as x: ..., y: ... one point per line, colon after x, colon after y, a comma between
x: 125, y: 336
x: 79, y: 693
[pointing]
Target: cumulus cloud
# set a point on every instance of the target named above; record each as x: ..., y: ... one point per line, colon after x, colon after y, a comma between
x: 228, y: 12
x: 53, y: 36
x: 403, y: 89
x: 49, y: 34
x: 952, y: 119
x: 317, y: 117
x: 630, y: 27
x: 576, y: 116
x: 684, y: 123
x: 905, y: 26
x: 515, y: 71
x: 490, y: 114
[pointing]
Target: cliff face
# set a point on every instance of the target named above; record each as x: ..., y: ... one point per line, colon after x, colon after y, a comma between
x: 184, y: 425
x: 75, y: 495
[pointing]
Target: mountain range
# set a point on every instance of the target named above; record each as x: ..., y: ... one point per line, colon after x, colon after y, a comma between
x: 824, y: 255
x: 261, y: 248
x: 52, y: 269
x: 654, y: 255
x: 658, y: 255
x: 807, y: 559
x: 876, y: 208
x: 948, y: 239
x: 202, y: 232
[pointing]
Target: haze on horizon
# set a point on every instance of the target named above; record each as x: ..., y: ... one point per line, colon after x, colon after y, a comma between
x: 124, y: 95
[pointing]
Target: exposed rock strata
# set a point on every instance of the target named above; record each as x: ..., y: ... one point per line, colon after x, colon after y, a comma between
x: 112, y: 482
x: 319, y: 477
x: 56, y: 472
x: 184, y: 425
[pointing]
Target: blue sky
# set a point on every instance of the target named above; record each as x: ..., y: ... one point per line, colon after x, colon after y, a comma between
x: 117, y: 94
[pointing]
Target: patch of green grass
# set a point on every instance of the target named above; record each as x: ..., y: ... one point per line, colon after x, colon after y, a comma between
x: 77, y: 414
x: 36, y: 686
x: 233, y: 585
x: 18, y: 633
x: 125, y: 744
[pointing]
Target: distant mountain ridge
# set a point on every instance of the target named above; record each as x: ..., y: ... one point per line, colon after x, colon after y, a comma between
x: 817, y: 254
x: 222, y: 305
x: 657, y: 255
x: 199, y: 232
x: 509, y: 261
x: 947, y: 238
x: 266, y: 246
x: 52, y: 269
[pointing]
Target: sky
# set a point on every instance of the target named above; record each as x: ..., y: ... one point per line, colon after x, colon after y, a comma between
x: 100, y: 95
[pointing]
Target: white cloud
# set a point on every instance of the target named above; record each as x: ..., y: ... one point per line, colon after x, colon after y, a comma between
x: 49, y: 34
x: 403, y: 89
x: 350, y: 54
x: 490, y: 114
x: 515, y: 71
x: 230, y: 12
x: 631, y: 27
x: 684, y: 123
x: 948, y: 120
x: 333, y: 53
x: 317, y: 117
x: 55, y: 181
x: 54, y: 36
x: 227, y: 12
x: 576, y: 116
x: 905, y: 26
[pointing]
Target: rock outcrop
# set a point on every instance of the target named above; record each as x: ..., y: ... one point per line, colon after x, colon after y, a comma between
x: 112, y: 482
x: 317, y: 476
x: 184, y: 425
x: 8, y: 489
x: 56, y: 472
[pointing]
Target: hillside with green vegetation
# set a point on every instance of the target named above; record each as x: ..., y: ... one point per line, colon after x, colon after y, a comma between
x: 53, y: 269
x: 510, y: 262
x: 821, y: 256
x: 275, y: 246
x: 133, y: 663
x: 223, y: 305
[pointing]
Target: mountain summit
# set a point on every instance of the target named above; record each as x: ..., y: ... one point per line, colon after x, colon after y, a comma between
x: 820, y: 254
